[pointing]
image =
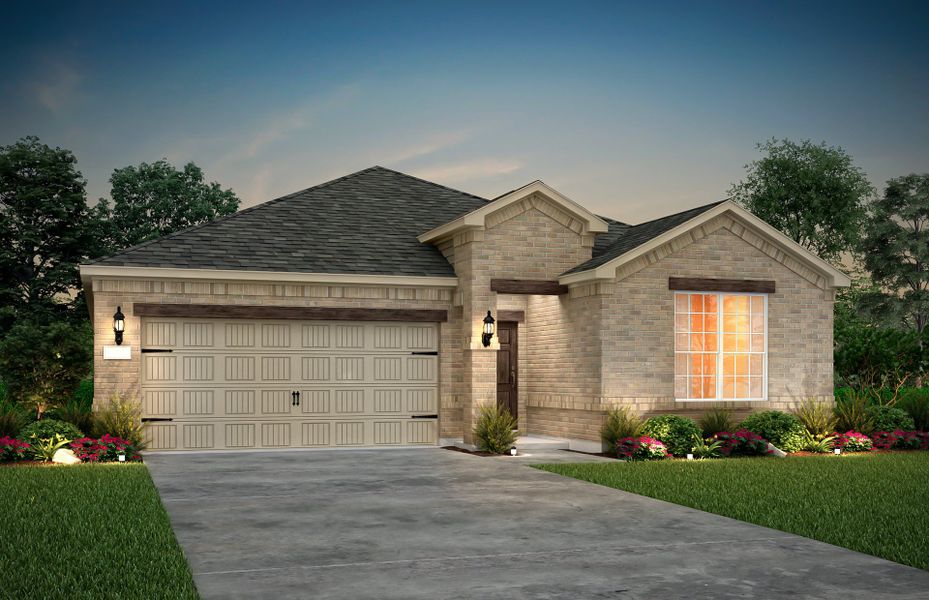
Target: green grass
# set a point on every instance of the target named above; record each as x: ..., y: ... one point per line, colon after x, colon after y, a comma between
x: 876, y: 504
x: 87, y: 531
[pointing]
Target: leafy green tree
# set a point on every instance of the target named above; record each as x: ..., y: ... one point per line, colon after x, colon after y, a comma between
x: 895, y: 251
x: 813, y: 193
x: 42, y: 362
x: 47, y: 230
x: 153, y: 200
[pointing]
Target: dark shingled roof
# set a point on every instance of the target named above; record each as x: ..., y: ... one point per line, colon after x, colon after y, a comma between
x: 635, y: 235
x: 363, y: 223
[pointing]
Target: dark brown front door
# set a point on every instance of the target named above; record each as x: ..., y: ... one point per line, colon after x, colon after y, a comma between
x: 507, y: 366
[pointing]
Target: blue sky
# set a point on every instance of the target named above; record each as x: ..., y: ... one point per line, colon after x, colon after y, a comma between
x: 633, y: 109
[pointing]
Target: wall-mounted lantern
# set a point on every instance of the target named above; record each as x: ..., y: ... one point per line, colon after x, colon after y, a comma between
x: 119, y: 325
x: 488, y: 330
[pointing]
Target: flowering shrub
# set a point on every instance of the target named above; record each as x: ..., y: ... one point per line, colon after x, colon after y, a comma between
x: 641, y: 448
x: 12, y: 449
x: 853, y: 441
x: 901, y: 440
x: 742, y: 443
x: 106, y: 449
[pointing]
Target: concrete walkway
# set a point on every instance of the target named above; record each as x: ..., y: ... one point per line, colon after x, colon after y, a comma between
x: 432, y: 523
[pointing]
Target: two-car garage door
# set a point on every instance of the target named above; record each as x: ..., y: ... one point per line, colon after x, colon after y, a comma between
x: 238, y: 384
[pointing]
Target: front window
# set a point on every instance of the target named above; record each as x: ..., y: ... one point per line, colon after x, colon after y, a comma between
x: 720, y: 346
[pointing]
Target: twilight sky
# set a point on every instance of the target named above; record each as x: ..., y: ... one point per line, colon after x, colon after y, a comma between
x: 633, y: 109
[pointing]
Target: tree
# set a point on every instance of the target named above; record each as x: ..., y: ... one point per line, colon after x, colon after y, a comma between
x: 153, y: 200
x: 46, y: 229
x: 895, y: 251
x: 812, y: 193
x: 42, y: 362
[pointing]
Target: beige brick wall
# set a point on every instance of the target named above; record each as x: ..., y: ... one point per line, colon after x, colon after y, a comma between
x: 638, y: 341
x: 532, y: 239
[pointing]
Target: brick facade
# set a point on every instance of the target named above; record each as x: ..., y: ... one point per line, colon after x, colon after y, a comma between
x: 604, y: 343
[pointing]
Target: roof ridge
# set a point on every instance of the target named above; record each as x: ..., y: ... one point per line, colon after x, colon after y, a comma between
x: 432, y: 183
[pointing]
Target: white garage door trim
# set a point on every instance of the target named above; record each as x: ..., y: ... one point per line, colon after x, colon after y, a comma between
x: 211, y: 384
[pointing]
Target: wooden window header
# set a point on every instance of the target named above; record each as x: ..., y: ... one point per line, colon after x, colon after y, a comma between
x: 696, y: 284
x: 528, y: 286
x: 302, y: 313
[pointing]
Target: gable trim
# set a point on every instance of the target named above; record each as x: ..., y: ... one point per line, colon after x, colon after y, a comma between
x: 477, y: 218
x: 834, y: 277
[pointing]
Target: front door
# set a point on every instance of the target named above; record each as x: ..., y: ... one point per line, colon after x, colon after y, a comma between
x: 507, y: 366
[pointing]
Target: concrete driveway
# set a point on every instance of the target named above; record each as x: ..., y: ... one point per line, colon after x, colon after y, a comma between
x: 431, y: 523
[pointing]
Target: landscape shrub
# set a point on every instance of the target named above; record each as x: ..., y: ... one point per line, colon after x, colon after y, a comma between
x: 105, y: 449
x: 641, y: 448
x: 494, y: 430
x: 889, y: 418
x: 817, y: 418
x: 78, y: 410
x: 12, y: 418
x: 901, y: 440
x: 620, y: 422
x: 819, y: 445
x: 122, y: 417
x: 742, y: 443
x: 44, y: 449
x: 782, y: 429
x: 851, y: 412
x: 714, y: 420
x: 915, y: 401
x: 12, y: 449
x: 675, y: 432
x: 47, y: 429
x: 853, y: 441
x: 706, y: 448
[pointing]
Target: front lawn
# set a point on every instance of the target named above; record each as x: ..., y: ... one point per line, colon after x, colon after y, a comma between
x: 876, y: 504
x: 87, y: 531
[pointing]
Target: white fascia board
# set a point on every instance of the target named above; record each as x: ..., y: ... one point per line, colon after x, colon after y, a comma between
x: 608, y: 269
x: 90, y: 271
x: 475, y: 218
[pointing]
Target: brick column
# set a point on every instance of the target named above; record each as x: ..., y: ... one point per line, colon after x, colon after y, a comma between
x: 473, y: 266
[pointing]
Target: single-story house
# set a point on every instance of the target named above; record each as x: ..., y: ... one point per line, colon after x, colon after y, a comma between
x: 353, y: 313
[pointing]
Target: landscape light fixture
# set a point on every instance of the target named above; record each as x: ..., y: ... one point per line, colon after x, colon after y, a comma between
x: 119, y: 325
x: 488, y: 330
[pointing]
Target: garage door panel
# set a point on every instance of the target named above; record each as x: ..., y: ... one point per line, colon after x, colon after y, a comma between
x: 240, y: 435
x: 276, y: 402
x: 230, y: 384
x: 198, y: 335
x: 199, y: 402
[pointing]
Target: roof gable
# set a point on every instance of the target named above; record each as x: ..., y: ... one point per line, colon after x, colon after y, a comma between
x: 645, y: 237
x: 363, y: 223
x: 477, y: 218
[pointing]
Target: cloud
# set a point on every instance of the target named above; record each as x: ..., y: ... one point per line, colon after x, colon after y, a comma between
x: 57, y: 87
x: 432, y: 144
x: 468, y: 171
x: 278, y: 127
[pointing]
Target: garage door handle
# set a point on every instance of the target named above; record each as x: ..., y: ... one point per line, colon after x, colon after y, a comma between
x: 293, y: 398
x: 298, y: 398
